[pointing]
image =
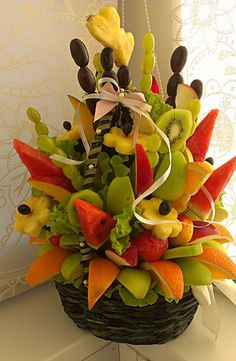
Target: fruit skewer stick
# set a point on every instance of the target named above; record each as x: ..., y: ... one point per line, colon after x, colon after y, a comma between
x: 102, y: 126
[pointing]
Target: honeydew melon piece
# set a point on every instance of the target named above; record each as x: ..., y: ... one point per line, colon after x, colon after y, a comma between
x: 120, y: 195
x: 174, y: 186
x: 136, y: 281
x: 183, y: 251
x: 194, y: 272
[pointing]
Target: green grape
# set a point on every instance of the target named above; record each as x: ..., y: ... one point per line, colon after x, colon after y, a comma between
x: 154, y: 142
x: 59, y: 152
x: 97, y: 63
x: 146, y: 82
x: 45, y: 143
x: 77, y: 182
x: 148, y: 63
x: 148, y: 42
x: 41, y: 128
x: 33, y: 115
x: 70, y: 171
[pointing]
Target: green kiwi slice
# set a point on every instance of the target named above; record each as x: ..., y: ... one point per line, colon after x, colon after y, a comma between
x: 177, y: 125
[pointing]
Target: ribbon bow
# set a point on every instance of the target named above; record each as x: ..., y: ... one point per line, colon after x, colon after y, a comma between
x: 110, y: 98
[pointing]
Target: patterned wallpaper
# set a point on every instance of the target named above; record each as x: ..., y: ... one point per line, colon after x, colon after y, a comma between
x: 207, y: 29
x: 36, y: 69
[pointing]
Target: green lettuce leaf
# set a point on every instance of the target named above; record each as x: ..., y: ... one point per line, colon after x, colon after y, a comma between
x: 120, y: 233
x: 67, y: 145
x: 150, y: 298
x: 158, y: 105
x: 59, y: 221
x: 119, y: 168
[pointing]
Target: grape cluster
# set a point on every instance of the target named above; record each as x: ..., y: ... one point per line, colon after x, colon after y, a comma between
x: 123, y: 119
x: 148, y: 61
x: 80, y: 55
x: 35, y: 117
x: 177, y: 63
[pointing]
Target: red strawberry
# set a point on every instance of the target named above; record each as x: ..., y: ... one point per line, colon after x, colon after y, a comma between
x: 150, y: 248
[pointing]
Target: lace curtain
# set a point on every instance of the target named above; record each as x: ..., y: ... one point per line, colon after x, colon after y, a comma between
x: 207, y: 29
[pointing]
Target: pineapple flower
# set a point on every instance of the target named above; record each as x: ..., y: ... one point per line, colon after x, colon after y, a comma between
x: 32, y: 222
x: 150, y: 210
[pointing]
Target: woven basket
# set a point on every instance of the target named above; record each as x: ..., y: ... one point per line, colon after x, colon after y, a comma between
x: 111, y: 319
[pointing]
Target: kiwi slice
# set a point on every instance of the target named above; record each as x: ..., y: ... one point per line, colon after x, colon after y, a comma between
x: 86, y: 195
x: 177, y: 125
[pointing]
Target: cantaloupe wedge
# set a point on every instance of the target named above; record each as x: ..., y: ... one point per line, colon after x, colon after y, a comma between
x: 197, y: 174
x: 58, y: 193
x: 38, y: 240
x: 169, y: 275
x: 101, y: 275
x: 47, y: 265
x: 218, y: 263
x: 86, y: 119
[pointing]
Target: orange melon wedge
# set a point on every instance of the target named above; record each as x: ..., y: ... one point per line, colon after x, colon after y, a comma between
x: 197, y: 174
x: 218, y: 263
x: 58, y: 193
x: 227, y: 236
x: 47, y: 265
x: 86, y: 118
x: 38, y: 240
x: 101, y: 275
x: 169, y: 275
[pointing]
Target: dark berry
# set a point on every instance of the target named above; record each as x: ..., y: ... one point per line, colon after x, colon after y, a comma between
x: 197, y: 86
x: 107, y: 59
x: 171, y: 101
x: 79, y: 52
x: 210, y: 160
x: 67, y: 125
x: 127, y: 128
x: 24, y: 209
x: 165, y: 208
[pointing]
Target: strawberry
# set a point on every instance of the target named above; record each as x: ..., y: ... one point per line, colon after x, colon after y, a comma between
x: 150, y: 248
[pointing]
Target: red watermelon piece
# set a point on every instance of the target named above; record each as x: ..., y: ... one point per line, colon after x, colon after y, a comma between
x: 37, y: 163
x: 215, y: 184
x: 199, y: 142
x: 95, y: 224
x: 144, y: 175
x: 62, y: 182
x: 155, y: 86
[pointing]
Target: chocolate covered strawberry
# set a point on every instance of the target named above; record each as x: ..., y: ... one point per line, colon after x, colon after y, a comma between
x: 150, y: 248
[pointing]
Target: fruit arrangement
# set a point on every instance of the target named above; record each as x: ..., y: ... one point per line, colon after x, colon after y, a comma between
x: 125, y: 201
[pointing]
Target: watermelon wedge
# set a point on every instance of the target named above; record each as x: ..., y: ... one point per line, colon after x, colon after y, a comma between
x: 37, y: 163
x: 144, y: 175
x: 199, y: 142
x: 215, y: 184
x: 155, y: 87
x: 95, y: 224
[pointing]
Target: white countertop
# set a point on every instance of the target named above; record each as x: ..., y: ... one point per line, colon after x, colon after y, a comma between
x: 197, y: 343
x: 33, y: 327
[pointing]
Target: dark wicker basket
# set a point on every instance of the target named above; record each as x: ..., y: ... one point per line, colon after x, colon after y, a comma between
x: 111, y: 319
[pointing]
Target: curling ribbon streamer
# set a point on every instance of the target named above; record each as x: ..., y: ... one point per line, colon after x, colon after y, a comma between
x: 205, y: 297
